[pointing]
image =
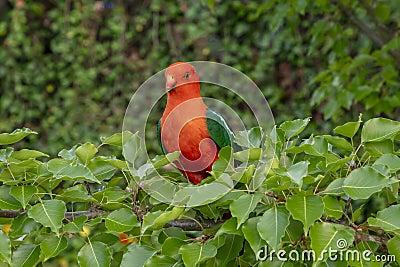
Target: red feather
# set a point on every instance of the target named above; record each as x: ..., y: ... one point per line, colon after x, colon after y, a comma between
x: 183, y: 124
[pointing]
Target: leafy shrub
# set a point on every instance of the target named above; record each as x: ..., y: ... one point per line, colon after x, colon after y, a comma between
x: 319, y: 191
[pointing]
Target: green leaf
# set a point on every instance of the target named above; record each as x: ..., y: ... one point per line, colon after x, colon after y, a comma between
x: 259, y: 175
x: 306, y: 209
x: 102, y: 168
x: 278, y: 183
x: 229, y: 227
x: 393, y: 246
x: 349, y: 129
x: 377, y: 149
x: 166, y: 159
x: 23, y: 193
x: 390, y: 160
x: 295, y: 127
x: 379, y: 129
x: 131, y: 146
x: 77, y: 193
x: 5, y: 248
x: 161, y: 261
x: 250, y: 232
x: 249, y: 139
x: 272, y: 226
x: 121, y: 220
x: 251, y: 154
x: 333, y: 207
x: 86, y: 152
x: 25, y: 154
x: 26, y: 256
x: 113, y: 140
x: 52, y: 246
x: 62, y: 168
x: 363, y: 182
x: 76, y: 225
x: 335, y: 187
x: 94, y: 254
x: 171, y: 246
x: 15, y: 136
x: 298, y: 171
x: 199, y: 195
x: 156, y: 220
x: 243, y: 206
x: 233, y: 244
x: 49, y: 213
x: 7, y: 201
x: 136, y: 255
x: 325, y: 236
x: 387, y: 219
x: 196, y: 253
x: 338, y: 142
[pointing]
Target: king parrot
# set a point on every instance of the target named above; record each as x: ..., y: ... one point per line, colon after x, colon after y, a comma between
x: 189, y: 126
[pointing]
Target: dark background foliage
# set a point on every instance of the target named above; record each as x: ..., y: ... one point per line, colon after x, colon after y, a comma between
x: 69, y: 68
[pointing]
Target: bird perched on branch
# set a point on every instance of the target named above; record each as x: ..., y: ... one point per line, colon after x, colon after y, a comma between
x: 189, y: 126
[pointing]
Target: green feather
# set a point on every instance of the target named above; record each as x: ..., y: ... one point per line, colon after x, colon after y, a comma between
x: 159, y: 137
x: 218, y: 129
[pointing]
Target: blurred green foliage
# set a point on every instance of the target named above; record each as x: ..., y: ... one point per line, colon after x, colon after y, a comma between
x: 69, y: 68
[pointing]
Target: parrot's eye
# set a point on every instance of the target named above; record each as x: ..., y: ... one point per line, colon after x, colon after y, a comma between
x: 186, y: 75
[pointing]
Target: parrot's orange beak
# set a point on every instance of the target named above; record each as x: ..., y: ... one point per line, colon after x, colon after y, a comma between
x: 170, y: 84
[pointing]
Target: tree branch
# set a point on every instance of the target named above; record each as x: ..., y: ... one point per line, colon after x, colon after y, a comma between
x: 192, y: 225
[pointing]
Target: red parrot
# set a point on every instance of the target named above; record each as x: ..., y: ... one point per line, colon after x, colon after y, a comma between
x: 189, y: 126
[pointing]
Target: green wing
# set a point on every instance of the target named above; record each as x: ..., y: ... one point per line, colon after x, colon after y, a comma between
x: 159, y: 137
x: 219, y: 129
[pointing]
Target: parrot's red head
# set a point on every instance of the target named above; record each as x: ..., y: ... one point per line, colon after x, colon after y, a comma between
x: 181, y: 75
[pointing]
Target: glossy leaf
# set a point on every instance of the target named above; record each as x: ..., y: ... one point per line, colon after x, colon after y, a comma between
x: 25, y: 154
x: 26, y: 255
x: 325, y: 236
x: 157, y: 219
x: 272, y: 226
x: 136, y: 255
x: 77, y: 193
x: 196, y: 253
x: 335, y: 187
x: 349, y: 129
x: 387, y: 219
x: 338, y: 142
x: 5, y: 248
x: 121, y: 220
x: 250, y: 232
x: 363, y: 182
x: 298, y: 171
x: 23, y: 194
x: 62, y: 168
x: 15, y: 136
x: 306, y: 209
x: 333, y: 207
x: 243, y: 206
x: 52, y: 246
x: 379, y: 129
x: 390, y: 160
x: 49, y: 213
x: 393, y: 246
x: 295, y: 127
x: 7, y: 201
x: 94, y: 254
